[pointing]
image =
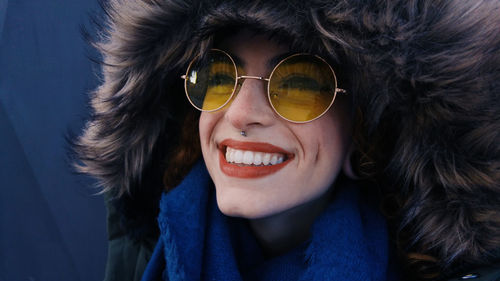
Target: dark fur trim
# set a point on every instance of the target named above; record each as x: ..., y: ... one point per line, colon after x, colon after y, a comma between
x: 432, y: 108
x: 425, y: 76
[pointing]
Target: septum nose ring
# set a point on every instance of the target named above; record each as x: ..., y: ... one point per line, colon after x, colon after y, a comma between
x: 243, y: 133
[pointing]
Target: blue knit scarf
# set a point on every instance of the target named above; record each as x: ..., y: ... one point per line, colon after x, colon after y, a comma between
x: 348, y: 241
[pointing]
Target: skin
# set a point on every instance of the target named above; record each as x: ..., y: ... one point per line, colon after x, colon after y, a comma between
x: 280, y: 206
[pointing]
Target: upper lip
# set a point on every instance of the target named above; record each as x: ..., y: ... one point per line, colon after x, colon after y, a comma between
x: 253, y: 146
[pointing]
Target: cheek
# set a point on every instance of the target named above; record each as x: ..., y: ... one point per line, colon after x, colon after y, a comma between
x: 207, y: 124
x: 330, y: 138
x: 328, y: 149
x: 203, y: 125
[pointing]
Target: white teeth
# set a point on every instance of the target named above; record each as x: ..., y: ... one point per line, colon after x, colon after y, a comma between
x: 274, y: 160
x: 238, y: 156
x: 257, y: 158
x: 248, y: 157
x: 252, y: 158
x: 266, y: 159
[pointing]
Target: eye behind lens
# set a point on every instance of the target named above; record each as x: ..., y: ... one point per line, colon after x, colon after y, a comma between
x: 211, y: 80
x: 302, y: 88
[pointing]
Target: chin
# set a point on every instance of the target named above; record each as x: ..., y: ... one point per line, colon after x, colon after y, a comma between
x: 250, y: 204
x: 246, y: 205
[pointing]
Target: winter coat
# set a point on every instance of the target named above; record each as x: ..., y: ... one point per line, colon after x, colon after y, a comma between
x: 424, y: 76
x: 128, y: 255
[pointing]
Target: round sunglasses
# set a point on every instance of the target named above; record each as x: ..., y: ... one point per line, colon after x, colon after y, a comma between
x: 301, y: 87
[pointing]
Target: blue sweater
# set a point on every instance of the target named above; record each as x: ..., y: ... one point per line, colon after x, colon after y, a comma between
x: 197, y: 242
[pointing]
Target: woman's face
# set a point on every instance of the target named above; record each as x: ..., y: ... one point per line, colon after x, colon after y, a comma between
x: 313, y: 152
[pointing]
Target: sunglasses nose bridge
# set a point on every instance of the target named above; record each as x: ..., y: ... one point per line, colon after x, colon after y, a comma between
x: 249, y: 104
x: 243, y: 77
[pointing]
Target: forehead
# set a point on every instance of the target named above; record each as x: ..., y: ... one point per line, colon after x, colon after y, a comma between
x: 252, y: 47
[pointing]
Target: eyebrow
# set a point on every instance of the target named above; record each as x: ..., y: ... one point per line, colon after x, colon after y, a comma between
x: 271, y: 63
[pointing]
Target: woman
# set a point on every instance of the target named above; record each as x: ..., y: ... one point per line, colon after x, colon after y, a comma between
x: 405, y: 114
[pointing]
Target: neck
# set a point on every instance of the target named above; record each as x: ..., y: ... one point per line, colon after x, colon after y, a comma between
x: 281, y: 232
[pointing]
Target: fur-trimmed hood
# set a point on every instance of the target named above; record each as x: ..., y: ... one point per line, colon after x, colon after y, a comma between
x: 425, y: 81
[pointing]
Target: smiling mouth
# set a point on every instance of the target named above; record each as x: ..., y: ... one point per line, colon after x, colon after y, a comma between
x: 251, y: 159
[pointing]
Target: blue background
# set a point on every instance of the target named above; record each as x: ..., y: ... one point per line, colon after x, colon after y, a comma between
x: 52, y: 225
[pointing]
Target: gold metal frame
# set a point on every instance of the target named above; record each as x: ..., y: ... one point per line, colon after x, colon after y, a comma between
x: 243, y: 77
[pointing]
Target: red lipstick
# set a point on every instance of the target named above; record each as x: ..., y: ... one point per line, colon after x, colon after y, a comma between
x: 240, y: 171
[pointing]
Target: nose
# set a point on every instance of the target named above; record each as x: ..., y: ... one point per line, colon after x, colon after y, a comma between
x: 250, y: 107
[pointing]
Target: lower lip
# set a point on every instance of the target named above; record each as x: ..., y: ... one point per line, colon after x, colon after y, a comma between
x: 246, y: 172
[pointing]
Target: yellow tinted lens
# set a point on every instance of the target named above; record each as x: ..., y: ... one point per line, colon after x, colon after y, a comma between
x: 302, y: 88
x: 211, y: 81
